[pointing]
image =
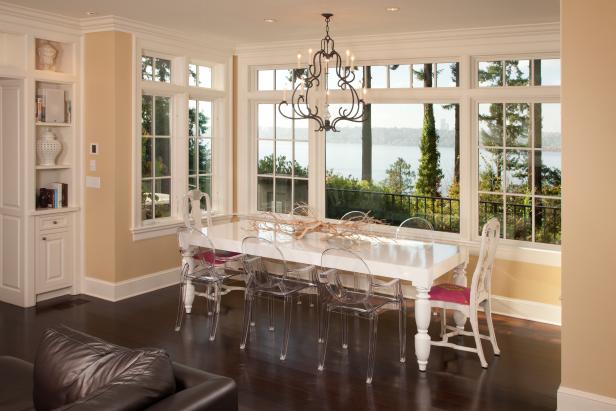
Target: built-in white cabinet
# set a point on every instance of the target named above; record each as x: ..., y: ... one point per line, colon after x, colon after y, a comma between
x: 54, y: 253
x: 40, y: 178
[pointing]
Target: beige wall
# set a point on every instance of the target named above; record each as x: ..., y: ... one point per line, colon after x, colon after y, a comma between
x: 589, y: 148
x: 524, y: 281
x: 111, y: 254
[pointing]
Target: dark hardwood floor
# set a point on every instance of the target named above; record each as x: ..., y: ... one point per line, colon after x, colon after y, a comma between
x: 525, y: 377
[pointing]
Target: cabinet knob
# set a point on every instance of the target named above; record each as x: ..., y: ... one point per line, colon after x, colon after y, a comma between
x: 55, y: 222
x: 44, y: 238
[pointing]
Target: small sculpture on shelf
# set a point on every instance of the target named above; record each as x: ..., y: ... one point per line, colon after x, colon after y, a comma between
x: 47, y: 55
x: 48, y: 148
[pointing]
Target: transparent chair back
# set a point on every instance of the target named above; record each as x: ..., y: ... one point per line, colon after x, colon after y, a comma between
x: 191, y: 209
x: 417, y: 223
x: 351, y: 286
x: 303, y: 210
x: 264, y: 263
x: 354, y: 216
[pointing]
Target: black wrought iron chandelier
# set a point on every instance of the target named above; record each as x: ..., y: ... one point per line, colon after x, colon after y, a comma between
x: 308, y: 79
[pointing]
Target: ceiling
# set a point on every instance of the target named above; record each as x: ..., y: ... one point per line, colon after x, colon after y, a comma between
x: 242, y: 21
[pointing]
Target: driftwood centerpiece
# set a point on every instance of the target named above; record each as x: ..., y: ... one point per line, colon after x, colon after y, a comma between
x: 298, y: 226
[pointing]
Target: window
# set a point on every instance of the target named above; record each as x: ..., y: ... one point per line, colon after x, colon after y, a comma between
x: 155, y: 157
x: 520, y: 169
x: 402, y: 76
x: 155, y: 69
x: 514, y: 73
x: 282, y: 163
x: 200, y: 145
x: 199, y: 76
x: 409, y: 166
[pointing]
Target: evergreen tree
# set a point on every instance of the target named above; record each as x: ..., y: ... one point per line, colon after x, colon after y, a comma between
x: 429, y: 172
x: 366, y: 133
x: 399, y: 178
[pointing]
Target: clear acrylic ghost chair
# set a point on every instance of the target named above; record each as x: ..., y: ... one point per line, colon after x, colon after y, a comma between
x: 203, y: 267
x: 193, y: 214
x: 469, y: 299
x: 369, y: 301
x: 268, y: 275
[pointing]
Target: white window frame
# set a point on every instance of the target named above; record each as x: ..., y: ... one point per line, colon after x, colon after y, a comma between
x: 180, y: 92
x: 468, y: 94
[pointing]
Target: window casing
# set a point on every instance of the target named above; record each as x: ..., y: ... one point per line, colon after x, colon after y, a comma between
x: 467, y: 95
x: 205, y: 137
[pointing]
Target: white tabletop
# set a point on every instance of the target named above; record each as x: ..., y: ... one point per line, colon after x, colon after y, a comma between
x: 417, y: 261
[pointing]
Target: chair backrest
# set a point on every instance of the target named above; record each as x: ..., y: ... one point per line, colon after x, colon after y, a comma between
x: 204, y: 253
x: 418, y: 223
x: 354, y: 215
x: 481, y: 283
x: 302, y: 210
x: 338, y: 264
x: 263, y: 262
x: 192, y: 208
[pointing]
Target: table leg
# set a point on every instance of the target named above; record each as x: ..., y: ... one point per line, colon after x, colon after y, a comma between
x: 422, y: 319
x: 459, y: 278
x: 189, y: 293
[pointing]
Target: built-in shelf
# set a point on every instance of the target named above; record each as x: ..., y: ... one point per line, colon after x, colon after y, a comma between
x: 56, y: 167
x: 43, y: 124
x: 45, y: 211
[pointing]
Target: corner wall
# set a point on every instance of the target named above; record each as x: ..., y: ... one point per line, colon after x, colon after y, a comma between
x: 589, y: 248
x: 111, y: 254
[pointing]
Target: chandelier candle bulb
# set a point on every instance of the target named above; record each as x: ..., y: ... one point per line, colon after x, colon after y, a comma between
x: 299, y: 60
x: 309, y: 57
x: 348, y: 53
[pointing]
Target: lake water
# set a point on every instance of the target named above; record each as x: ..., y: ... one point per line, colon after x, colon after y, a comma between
x: 345, y: 159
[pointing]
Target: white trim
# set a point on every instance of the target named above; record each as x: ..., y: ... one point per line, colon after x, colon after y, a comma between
x: 129, y: 288
x: 570, y: 399
x: 526, y: 309
x: 169, y: 227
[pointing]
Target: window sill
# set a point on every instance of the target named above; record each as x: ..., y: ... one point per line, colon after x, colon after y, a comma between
x: 170, y: 227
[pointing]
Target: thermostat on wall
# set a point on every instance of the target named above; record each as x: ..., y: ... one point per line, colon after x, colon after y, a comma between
x: 94, y: 148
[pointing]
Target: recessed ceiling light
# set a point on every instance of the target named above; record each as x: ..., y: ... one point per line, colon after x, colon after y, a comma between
x: 90, y: 13
x: 392, y: 9
x: 269, y: 20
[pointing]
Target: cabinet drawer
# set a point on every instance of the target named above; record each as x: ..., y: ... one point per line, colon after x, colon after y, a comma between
x: 56, y: 221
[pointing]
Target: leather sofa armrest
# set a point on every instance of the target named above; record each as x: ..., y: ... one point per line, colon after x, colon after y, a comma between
x: 219, y: 394
x: 199, y: 390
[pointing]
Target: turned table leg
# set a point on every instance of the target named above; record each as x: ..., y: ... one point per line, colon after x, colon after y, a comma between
x: 422, y: 319
x: 189, y: 292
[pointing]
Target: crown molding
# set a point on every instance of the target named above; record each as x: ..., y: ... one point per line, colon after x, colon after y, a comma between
x: 38, y: 19
x: 548, y: 32
x: 223, y: 47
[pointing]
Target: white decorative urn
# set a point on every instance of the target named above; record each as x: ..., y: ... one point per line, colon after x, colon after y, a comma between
x: 48, y: 148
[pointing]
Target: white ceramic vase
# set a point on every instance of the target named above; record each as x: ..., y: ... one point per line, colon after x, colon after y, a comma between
x: 48, y: 148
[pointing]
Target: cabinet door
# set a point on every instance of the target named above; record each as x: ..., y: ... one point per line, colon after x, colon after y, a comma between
x: 54, y: 266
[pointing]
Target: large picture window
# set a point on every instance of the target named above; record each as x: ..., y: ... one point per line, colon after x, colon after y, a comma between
x: 520, y: 169
x: 155, y: 157
x: 282, y: 163
x: 399, y: 163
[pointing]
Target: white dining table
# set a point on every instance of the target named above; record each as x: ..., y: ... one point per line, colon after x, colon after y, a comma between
x: 419, y: 262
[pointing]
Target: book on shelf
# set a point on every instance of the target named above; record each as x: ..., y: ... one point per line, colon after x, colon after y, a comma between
x: 55, y: 195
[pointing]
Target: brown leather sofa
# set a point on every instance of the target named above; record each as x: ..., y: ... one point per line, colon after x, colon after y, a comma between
x: 75, y: 371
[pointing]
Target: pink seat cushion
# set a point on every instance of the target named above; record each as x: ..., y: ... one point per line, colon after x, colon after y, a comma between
x: 218, y: 258
x: 451, y: 293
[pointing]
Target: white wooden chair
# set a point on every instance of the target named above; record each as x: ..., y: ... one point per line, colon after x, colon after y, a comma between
x: 468, y: 299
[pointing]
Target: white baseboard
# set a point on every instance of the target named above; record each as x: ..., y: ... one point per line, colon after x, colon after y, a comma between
x: 129, y: 288
x: 570, y: 399
x: 526, y: 309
